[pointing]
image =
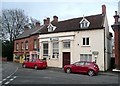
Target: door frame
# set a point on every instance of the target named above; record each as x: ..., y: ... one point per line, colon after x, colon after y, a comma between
x: 63, y: 58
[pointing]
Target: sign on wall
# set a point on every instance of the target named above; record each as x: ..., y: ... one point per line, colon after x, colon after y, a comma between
x: 95, y: 52
x: 54, y: 39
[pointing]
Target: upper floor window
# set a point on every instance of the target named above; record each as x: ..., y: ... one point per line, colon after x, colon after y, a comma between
x: 86, y: 41
x: 66, y: 44
x: 26, y: 45
x: 22, y: 47
x: 35, y: 44
x: 51, y: 28
x: 17, y: 45
x: 84, y: 23
x: 45, y: 49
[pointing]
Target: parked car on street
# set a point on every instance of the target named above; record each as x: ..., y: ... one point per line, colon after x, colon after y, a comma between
x: 87, y: 67
x: 35, y: 63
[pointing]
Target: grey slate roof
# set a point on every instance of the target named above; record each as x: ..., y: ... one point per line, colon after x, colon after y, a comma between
x: 96, y: 22
x: 28, y: 33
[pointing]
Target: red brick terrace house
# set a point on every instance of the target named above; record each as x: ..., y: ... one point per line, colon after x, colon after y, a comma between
x: 116, y: 28
x: 27, y: 45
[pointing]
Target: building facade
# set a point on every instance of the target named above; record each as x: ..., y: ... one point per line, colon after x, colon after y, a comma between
x: 116, y: 29
x: 26, y: 46
x: 85, y: 38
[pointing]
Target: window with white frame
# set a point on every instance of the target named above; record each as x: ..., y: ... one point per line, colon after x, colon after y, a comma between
x: 86, y: 41
x: 84, y: 23
x: 22, y: 47
x: 45, y: 49
x: 26, y: 45
x: 35, y: 44
x: 17, y: 46
x: 51, y: 28
x: 55, y: 47
x: 85, y: 57
x: 66, y: 44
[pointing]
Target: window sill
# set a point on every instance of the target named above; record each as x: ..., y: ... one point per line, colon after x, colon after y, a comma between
x: 85, y: 46
x: 65, y: 48
x: 54, y: 58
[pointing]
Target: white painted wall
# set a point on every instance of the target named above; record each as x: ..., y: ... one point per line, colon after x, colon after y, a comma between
x: 61, y: 36
x: 96, y: 44
x: 108, y: 45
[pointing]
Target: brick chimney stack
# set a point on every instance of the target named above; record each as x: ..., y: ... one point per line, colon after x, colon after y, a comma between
x: 103, y: 9
x: 26, y: 28
x: 38, y: 24
x: 116, y: 17
x: 45, y: 22
x: 55, y: 19
x: 48, y: 20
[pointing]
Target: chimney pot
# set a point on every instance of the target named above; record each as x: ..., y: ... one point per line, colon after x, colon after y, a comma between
x: 38, y: 24
x: 55, y: 19
x: 45, y: 21
x: 115, y: 12
x: 26, y: 28
x: 116, y: 17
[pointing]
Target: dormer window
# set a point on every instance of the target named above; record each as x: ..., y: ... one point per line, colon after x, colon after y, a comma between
x: 84, y: 23
x: 51, y: 28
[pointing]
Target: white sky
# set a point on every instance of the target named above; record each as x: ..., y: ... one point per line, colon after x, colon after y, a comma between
x: 64, y: 9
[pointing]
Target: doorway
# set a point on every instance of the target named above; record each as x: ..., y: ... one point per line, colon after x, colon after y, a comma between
x: 66, y: 58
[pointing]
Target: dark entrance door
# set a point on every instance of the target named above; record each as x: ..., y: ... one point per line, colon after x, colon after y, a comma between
x: 66, y: 58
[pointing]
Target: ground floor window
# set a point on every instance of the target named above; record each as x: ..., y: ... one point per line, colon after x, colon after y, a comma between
x: 45, y: 49
x: 85, y: 57
x: 55, y: 49
x: 34, y: 56
x: 17, y: 56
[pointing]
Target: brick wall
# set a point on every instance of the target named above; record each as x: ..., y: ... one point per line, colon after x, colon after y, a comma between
x: 30, y: 43
x: 117, y: 46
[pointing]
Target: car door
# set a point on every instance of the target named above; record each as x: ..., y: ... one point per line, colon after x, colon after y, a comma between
x: 76, y: 67
x: 33, y: 63
x: 86, y: 66
x: 81, y: 66
x: 30, y: 62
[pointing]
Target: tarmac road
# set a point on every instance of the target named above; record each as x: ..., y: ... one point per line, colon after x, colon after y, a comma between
x: 14, y: 74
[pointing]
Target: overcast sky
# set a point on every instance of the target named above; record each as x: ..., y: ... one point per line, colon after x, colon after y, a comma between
x: 40, y: 9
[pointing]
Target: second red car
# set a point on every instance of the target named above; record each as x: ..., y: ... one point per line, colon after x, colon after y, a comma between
x: 90, y: 68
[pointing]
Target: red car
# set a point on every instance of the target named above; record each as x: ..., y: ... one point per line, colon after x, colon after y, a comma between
x: 87, y: 67
x: 35, y: 63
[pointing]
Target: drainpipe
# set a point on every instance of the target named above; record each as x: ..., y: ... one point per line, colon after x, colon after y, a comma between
x: 104, y: 52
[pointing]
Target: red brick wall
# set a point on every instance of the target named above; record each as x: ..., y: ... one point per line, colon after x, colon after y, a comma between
x: 30, y: 43
x: 117, y: 51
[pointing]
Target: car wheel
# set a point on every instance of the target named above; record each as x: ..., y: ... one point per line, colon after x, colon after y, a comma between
x: 36, y: 67
x: 91, y: 73
x: 24, y: 66
x: 68, y: 70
